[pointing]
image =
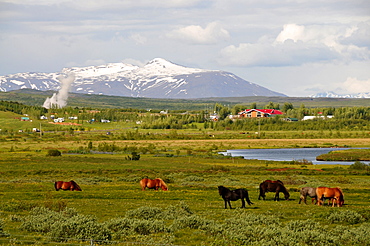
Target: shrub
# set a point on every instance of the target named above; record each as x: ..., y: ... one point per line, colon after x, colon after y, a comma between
x: 65, y: 224
x: 143, y: 213
x: 194, y: 179
x: 134, y: 157
x: 348, y: 216
x: 358, y: 165
x: 80, y: 227
x: 53, y: 152
x: 2, y: 232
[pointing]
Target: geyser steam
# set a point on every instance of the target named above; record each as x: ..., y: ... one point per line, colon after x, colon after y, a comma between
x: 59, y: 99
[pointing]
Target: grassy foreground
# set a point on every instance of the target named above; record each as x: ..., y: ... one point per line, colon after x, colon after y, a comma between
x: 112, y: 208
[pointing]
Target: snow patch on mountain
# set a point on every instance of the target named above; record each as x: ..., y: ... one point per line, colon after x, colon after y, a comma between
x: 159, y: 78
x: 331, y: 94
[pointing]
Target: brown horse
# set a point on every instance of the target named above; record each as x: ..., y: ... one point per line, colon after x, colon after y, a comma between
x: 153, y: 184
x: 71, y: 185
x: 335, y: 194
x: 274, y: 181
x: 273, y: 186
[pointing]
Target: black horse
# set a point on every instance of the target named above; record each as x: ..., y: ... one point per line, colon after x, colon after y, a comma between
x: 233, y: 195
x: 276, y: 187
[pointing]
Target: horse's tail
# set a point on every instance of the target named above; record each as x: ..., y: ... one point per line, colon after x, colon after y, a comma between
x: 143, y: 183
x: 56, y: 185
x: 247, y: 199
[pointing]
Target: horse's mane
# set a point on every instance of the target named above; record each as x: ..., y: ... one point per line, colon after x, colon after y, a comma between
x: 162, y: 182
x: 74, y: 183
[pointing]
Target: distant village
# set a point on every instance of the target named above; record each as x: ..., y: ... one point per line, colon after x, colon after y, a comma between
x: 247, y: 113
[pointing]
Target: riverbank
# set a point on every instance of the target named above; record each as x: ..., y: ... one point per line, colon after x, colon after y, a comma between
x: 346, y: 155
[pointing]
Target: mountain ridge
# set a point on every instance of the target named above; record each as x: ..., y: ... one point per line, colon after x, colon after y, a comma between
x: 330, y: 94
x: 159, y: 78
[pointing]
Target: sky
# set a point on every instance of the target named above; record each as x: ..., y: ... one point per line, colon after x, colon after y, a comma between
x: 295, y: 47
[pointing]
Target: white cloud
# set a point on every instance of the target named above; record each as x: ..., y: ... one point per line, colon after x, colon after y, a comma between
x: 291, y: 31
x: 353, y: 85
x: 296, y: 45
x: 138, y: 38
x: 211, y: 34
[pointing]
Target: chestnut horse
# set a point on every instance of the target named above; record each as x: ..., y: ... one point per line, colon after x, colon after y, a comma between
x: 71, y: 185
x: 153, y: 184
x: 335, y: 194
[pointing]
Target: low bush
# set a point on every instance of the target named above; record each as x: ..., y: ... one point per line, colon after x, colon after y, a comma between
x: 64, y: 225
x: 358, y: 165
x: 53, y: 152
x: 2, y: 232
x: 348, y: 216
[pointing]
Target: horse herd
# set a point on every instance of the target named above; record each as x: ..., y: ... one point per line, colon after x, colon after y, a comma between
x: 335, y: 195
x: 319, y: 194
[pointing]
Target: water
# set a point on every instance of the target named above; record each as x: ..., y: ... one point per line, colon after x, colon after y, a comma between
x: 308, y: 154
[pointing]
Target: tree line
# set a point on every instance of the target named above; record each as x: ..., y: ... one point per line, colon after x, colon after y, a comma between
x: 344, y: 118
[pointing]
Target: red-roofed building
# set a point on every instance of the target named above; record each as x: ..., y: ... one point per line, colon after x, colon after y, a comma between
x: 256, y: 113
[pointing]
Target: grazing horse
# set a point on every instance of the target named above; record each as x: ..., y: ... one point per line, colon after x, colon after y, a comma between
x: 274, y: 181
x: 335, y: 194
x: 307, y: 191
x: 233, y: 195
x: 71, y: 185
x: 153, y: 184
x: 276, y: 187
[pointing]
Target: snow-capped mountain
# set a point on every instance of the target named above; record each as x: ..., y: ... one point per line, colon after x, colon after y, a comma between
x: 157, y: 79
x: 335, y: 95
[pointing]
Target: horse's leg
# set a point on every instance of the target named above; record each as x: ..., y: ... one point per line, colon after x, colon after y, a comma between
x: 313, y: 199
x: 305, y: 199
x: 225, y: 204
x: 243, y: 203
x: 262, y: 194
x: 277, y: 196
x: 229, y: 204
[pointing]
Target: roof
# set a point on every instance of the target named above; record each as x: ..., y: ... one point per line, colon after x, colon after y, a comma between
x: 264, y: 111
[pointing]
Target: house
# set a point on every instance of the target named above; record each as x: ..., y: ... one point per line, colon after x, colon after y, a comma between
x: 59, y: 120
x: 214, y: 117
x: 259, y: 113
x: 289, y: 119
x: 311, y: 117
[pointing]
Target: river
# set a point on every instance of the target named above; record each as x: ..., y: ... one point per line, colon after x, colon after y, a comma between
x: 308, y: 154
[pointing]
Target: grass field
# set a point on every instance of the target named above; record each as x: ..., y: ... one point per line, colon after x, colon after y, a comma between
x: 112, y: 208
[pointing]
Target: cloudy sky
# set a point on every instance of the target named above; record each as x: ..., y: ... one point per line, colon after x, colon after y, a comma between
x: 295, y: 47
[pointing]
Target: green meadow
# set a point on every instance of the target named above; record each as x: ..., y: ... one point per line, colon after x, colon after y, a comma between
x: 112, y: 209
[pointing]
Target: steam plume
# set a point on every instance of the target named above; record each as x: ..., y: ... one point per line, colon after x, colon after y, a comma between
x: 59, y: 99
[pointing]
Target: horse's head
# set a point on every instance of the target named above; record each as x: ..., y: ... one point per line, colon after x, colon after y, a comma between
x: 76, y: 187
x: 220, y: 190
x: 163, y: 185
x: 286, y: 195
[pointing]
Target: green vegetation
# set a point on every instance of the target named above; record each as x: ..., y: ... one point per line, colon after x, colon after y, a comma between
x: 346, y: 155
x: 109, y: 159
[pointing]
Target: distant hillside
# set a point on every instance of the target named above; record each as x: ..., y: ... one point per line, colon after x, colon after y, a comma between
x: 157, y: 79
x: 35, y: 97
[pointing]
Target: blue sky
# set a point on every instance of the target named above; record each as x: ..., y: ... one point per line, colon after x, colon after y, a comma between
x: 295, y: 47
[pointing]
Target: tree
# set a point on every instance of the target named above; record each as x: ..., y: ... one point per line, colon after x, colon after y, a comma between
x: 287, y: 106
